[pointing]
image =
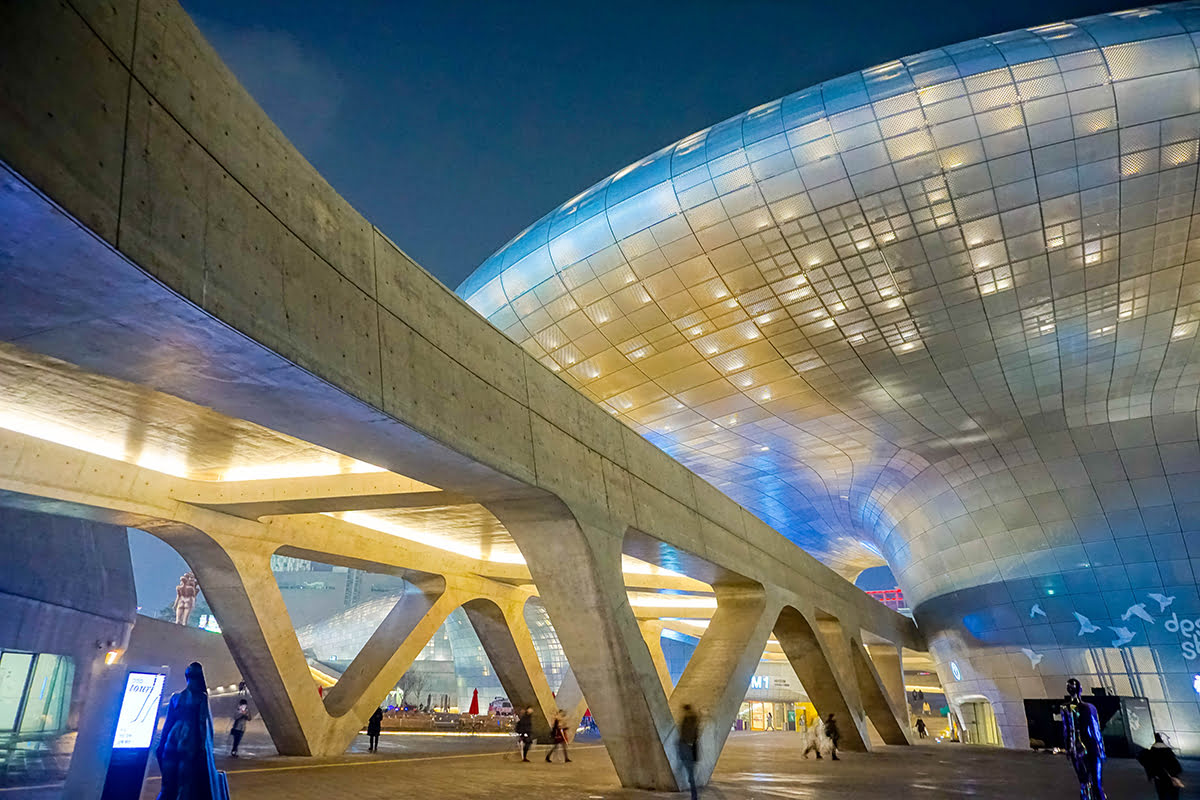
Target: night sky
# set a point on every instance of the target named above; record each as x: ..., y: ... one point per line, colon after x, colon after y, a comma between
x: 452, y: 126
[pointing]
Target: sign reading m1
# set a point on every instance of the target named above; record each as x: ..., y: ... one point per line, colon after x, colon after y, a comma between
x: 760, y: 682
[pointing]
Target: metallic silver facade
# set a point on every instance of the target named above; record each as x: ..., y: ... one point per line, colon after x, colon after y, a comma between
x: 940, y: 313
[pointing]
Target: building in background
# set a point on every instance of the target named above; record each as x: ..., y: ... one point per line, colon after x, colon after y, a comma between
x: 939, y: 314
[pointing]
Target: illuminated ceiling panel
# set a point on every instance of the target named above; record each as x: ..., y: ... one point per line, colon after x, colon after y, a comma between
x: 53, y: 400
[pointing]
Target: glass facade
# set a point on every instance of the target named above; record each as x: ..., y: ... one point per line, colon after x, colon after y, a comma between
x: 941, y: 314
x: 35, y: 699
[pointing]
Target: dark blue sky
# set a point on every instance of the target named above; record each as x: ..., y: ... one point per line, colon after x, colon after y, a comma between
x: 454, y: 125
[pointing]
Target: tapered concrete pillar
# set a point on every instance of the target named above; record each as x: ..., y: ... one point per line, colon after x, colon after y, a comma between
x: 509, y: 647
x: 719, y: 671
x: 890, y: 722
x: 235, y: 575
x: 813, y: 659
x: 576, y: 566
x: 887, y: 663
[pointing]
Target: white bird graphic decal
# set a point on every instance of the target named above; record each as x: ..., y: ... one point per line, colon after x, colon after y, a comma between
x: 1036, y: 610
x: 1034, y: 658
x: 1162, y: 600
x: 1124, y: 636
x: 1139, y: 611
x: 1085, y: 625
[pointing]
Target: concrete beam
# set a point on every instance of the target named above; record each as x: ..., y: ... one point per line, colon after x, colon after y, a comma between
x: 253, y: 499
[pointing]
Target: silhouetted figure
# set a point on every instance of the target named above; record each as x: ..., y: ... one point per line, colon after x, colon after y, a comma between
x: 239, y: 726
x: 524, y: 729
x: 185, y: 748
x: 1163, y: 768
x: 921, y: 732
x: 558, y: 734
x: 1084, y: 742
x: 832, y: 734
x: 374, y: 727
x: 689, y: 746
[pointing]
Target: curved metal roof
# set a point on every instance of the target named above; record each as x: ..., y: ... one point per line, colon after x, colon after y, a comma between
x: 865, y: 310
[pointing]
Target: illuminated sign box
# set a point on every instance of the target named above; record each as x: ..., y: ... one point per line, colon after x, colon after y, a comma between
x: 139, y: 710
x: 760, y: 682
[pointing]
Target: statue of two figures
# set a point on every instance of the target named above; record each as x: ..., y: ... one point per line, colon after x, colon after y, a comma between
x: 185, y: 597
x: 1084, y: 742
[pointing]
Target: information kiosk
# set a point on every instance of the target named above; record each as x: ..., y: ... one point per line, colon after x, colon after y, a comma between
x: 136, y: 724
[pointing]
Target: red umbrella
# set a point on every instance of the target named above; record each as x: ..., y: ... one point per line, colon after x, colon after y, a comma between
x: 474, y: 709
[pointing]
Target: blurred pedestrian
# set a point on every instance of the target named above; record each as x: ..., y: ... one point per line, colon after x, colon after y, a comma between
x: 689, y: 746
x: 1163, y: 768
x: 558, y: 734
x: 816, y: 738
x: 524, y: 729
x: 921, y: 732
x: 832, y: 734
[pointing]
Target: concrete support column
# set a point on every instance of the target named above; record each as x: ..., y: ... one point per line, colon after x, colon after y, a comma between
x: 235, y: 575
x: 509, y: 646
x: 813, y: 658
x: 576, y: 566
x: 715, y: 680
x: 887, y: 714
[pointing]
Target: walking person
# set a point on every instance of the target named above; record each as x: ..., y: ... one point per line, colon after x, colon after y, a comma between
x: 185, y: 747
x: 524, y: 729
x: 921, y: 728
x: 1162, y: 767
x: 239, y: 726
x: 689, y: 746
x: 374, y: 728
x: 832, y: 733
x: 816, y: 733
x: 558, y: 733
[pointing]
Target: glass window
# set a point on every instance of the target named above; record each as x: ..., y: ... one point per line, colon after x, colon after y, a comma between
x: 48, y: 695
x: 14, y: 674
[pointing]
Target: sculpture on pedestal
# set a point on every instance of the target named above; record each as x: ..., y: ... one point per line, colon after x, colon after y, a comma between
x: 185, y: 597
x: 1083, y: 741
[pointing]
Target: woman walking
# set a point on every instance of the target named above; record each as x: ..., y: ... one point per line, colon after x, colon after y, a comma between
x: 558, y: 733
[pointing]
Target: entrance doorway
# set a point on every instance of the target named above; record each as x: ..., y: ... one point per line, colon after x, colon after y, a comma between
x: 979, y: 722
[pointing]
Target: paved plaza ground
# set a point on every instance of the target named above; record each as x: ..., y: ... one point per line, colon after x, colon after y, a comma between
x: 753, y: 765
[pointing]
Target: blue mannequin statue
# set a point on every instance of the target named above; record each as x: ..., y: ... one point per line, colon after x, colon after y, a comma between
x: 1084, y: 742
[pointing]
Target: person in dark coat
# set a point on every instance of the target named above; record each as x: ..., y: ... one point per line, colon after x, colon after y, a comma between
x: 374, y: 726
x: 558, y: 735
x: 1163, y: 768
x: 239, y: 726
x: 832, y: 733
x: 524, y: 729
x: 689, y: 745
x: 185, y: 748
